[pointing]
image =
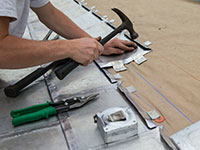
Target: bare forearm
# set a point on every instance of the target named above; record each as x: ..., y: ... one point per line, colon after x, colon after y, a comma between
x: 61, y: 24
x: 20, y: 53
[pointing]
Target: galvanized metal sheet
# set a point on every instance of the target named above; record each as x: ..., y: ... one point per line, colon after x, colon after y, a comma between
x: 88, y: 135
x: 81, y: 79
x: 49, y: 138
x: 188, y: 138
x: 146, y: 141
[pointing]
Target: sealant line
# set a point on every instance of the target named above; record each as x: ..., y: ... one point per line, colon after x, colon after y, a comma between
x: 162, y: 95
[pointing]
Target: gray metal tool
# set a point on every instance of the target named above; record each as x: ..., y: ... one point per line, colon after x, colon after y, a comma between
x: 40, y: 111
x: 62, y: 71
x: 116, y: 123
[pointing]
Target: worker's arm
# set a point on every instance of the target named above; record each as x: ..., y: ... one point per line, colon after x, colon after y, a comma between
x: 16, y: 52
x: 60, y: 23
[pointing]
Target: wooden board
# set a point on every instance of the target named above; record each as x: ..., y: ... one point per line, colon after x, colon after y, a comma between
x: 169, y: 81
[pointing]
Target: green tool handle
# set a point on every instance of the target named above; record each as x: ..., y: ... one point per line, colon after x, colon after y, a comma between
x: 44, y: 113
x: 31, y: 109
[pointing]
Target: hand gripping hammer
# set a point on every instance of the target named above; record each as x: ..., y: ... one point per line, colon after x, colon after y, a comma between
x: 65, y: 69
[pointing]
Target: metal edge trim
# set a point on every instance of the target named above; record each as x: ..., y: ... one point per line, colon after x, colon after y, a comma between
x: 108, y: 75
x: 140, y: 111
x: 167, y: 140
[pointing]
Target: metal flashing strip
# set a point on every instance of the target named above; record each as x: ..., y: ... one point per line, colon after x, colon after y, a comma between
x: 150, y: 124
x: 137, y: 55
x: 107, y: 74
x: 167, y: 140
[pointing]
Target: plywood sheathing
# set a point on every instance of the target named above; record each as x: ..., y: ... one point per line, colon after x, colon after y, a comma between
x: 169, y: 81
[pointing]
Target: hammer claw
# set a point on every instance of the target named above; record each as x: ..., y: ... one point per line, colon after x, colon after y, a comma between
x: 127, y: 24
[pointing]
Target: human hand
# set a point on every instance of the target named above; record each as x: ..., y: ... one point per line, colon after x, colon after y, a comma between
x: 117, y: 46
x: 85, y: 50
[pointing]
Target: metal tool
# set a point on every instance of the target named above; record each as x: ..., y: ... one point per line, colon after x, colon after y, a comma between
x: 14, y: 90
x: 41, y: 111
x: 116, y: 123
x: 65, y: 69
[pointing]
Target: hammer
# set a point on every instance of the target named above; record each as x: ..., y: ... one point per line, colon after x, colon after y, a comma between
x: 67, y: 65
x: 65, y: 69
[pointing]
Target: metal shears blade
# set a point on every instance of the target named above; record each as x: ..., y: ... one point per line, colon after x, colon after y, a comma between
x: 84, y: 100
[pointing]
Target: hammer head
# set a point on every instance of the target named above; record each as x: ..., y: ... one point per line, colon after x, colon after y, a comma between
x: 127, y: 23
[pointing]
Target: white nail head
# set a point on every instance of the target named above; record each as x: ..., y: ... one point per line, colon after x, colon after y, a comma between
x: 112, y: 20
x: 105, y: 17
x: 147, y: 43
x: 93, y: 7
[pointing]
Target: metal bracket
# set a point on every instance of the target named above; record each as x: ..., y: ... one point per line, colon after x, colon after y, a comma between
x: 131, y: 89
x: 153, y: 114
x: 118, y: 66
x: 139, y: 59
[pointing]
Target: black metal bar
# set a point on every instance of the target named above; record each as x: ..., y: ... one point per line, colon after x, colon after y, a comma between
x: 14, y: 90
x: 62, y: 71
